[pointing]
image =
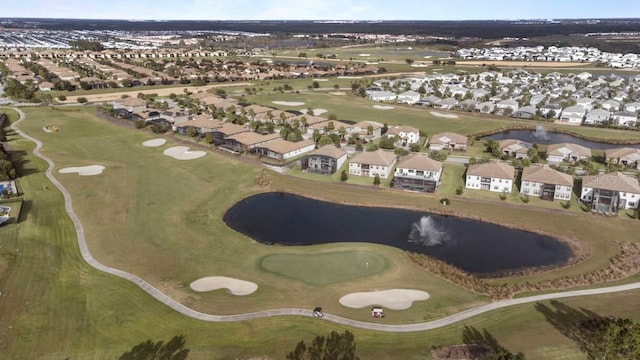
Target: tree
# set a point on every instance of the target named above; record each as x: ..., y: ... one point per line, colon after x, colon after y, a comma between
x: 494, y: 148
x: 376, y: 180
x: 415, y: 147
x: 613, y: 338
x: 148, y: 350
x: 334, y: 347
x: 316, y: 85
x: 62, y: 98
x: 343, y: 176
x: 409, y: 61
x: 82, y: 100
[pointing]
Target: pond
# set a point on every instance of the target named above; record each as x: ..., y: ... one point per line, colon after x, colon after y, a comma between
x: 536, y: 137
x: 474, y: 246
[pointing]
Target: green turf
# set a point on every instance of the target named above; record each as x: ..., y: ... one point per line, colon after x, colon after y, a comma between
x: 53, y: 306
x: 325, y: 268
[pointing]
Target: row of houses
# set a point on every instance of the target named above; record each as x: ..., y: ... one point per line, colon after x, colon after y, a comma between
x: 568, y: 98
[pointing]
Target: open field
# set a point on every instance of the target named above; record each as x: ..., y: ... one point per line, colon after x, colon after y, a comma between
x: 167, y: 229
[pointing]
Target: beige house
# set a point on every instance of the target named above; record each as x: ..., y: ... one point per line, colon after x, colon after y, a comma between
x: 326, y: 160
x: 515, y: 148
x: 448, y: 141
x: 131, y: 104
x: 281, y: 149
x: 545, y: 182
x: 628, y: 157
x: 372, y: 163
x: 417, y: 172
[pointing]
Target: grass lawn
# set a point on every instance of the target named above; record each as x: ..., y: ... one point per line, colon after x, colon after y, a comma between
x: 161, y: 219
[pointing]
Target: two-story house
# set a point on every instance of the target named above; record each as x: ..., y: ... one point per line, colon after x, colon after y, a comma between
x: 417, y: 172
x: 404, y: 135
x: 545, y: 182
x: 326, y: 160
x: 496, y: 176
x: 372, y: 163
x: 610, y: 192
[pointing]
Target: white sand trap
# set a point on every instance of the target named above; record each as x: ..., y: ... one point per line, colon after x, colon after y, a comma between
x: 154, y: 142
x: 419, y: 65
x: 338, y: 93
x: 383, y: 107
x: 183, y: 153
x: 83, y: 170
x: 316, y: 112
x: 234, y: 286
x: 394, y: 299
x: 288, y: 103
x: 320, y: 79
x: 364, y: 55
x: 448, y: 116
x: 349, y: 77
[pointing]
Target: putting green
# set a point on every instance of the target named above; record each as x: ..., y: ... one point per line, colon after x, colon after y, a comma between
x: 325, y: 268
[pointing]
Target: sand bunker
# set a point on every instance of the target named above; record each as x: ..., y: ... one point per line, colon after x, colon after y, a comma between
x: 383, y: 107
x: 320, y: 79
x: 338, y: 93
x: 83, y: 170
x: 183, y: 153
x: 364, y: 54
x: 233, y: 286
x: 394, y: 299
x: 316, y: 112
x: 288, y: 103
x: 448, y: 116
x: 349, y: 77
x: 51, y: 129
x: 154, y: 142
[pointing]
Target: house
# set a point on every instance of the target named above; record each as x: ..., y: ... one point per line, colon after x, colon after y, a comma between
x: 201, y: 124
x: 447, y: 103
x: 486, y: 107
x: 570, y: 152
x: 597, y: 116
x: 610, y: 192
x: 45, y: 86
x: 586, y: 103
x: 326, y: 160
x: 507, y: 106
x: 381, y: 95
x: 417, y: 172
x: 281, y: 149
x: 404, y: 135
x: 515, y: 148
x: 496, y: 176
x: 448, y: 141
x: 227, y: 129
x: 626, y: 118
x: 131, y: 104
x: 628, y: 157
x: 573, y: 115
x: 372, y: 163
x: 611, y: 105
x: 551, y: 111
x: 525, y: 112
x: 366, y: 128
x: 545, y: 182
x: 408, y: 97
x: 246, y: 142
x: 632, y: 106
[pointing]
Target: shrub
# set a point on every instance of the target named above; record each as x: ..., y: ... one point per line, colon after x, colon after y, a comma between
x: 62, y: 98
x: 376, y: 180
x: 140, y: 124
x: 82, y: 100
x: 344, y: 176
x: 459, y: 190
x: 503, y: 195
x: 445, y: 201
x: 566, y: 204
x: 525, y: 198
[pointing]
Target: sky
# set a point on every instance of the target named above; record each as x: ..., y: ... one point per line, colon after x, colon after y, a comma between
x: 320, y: 9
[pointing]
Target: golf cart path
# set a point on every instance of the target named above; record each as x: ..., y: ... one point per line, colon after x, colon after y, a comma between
x: 158, y: 295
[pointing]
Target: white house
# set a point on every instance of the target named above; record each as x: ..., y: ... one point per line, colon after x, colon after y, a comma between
x: 570, y: 152
x: 417, y: 172
x: 494, y: 176
x: 551, y: 110
x: 372, y: 163
x: 632, y: 106
x: 486, y: 107
x: 597, y: 116
x: 381, y: 95
x: 404, y: 134
x: 503, y: 105
x: 610, y: 192
x: 408, y: 97
x: 573, y: 115
x: 626, y: 118
x: 326, y: 160
x: 545, y: 182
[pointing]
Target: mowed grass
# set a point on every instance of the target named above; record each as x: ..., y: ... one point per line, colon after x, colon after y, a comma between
x: 326, y: 268
x: 53, y: 306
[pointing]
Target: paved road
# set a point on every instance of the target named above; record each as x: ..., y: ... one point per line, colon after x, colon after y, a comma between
x: 149, y: 289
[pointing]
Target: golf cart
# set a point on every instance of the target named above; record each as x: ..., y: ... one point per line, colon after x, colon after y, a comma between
x: 317, y: 312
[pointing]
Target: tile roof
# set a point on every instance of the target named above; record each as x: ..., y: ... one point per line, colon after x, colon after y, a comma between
x: 493, y: 169
x: 547, y: 175
x: 378, y: 157
x: 329, y: 150
x: 615, y: 181
x: 419, y: 162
